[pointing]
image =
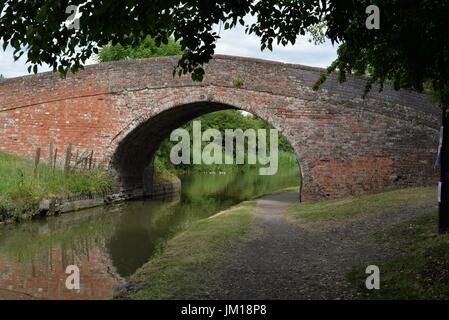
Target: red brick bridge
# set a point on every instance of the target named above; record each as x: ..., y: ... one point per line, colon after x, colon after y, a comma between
x: 122, y: 110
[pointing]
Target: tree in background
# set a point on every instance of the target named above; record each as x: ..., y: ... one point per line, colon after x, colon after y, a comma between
x: 146, y: 49
x: 409, y: 50
x: 222, y: 120
x: 2, y: 77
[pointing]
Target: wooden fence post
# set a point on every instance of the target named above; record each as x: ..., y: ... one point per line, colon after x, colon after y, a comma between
x: 76, y: 158
x: 54, y: 159
x: 50, y: 156
x: 91, y: 159
x: 68, y: 156
x: 36, y: 160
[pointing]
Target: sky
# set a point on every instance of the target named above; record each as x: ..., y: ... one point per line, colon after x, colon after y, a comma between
x: 233, y: 42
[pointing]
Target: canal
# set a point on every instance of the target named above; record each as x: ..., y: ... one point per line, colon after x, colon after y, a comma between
x: 108, y: 244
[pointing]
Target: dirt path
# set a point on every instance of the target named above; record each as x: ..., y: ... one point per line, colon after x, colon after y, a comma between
x: 281, y: 260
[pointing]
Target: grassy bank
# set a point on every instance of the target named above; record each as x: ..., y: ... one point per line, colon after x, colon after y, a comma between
x: 185, y: 266
x: 420, y: 271
x: 357, y: 207
x: 418, y: 266
x: 20, y: 187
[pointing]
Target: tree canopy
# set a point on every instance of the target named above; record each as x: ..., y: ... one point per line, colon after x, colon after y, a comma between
x: 37, y: 28
x: 410, y: 48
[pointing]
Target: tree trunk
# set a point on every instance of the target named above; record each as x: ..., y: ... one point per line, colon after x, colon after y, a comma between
x: 443, y: 188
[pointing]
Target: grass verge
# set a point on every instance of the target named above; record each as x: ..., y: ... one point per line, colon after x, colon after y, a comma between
x: 188, y: 262
x: 420, y: 267
x: 421, y: 271
x: 353, y: 207
x: 21, y: 188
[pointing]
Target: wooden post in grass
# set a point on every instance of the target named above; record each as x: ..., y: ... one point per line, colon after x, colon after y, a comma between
x: 54, y: 160
x: 76, y: 158
x: 36, y: 160
x: 68, y: 156
x: 91, y: 159
x: 50, y: 156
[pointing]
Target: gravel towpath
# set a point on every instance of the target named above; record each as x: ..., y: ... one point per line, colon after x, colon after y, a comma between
x: 280, y: 259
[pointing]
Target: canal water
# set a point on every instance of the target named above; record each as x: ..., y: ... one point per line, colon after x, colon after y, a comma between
x: 110, y: 243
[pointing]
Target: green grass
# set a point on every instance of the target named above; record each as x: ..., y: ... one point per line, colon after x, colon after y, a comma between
x: 353, y: 207
x: 20, y: 188
x: 186, y: 266
x: 420, y: 272
x: 161, y: 172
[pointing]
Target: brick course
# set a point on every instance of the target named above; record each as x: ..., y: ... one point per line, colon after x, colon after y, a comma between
x: 122, y: 110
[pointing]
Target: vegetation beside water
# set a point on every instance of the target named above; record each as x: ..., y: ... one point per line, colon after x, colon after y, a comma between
x: 184, y: 269
x: 222, y: 120
x: 21, y: 188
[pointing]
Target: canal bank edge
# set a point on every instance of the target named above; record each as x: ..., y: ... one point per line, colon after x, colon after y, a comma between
x: 55, y: 205
x: 178, y: 271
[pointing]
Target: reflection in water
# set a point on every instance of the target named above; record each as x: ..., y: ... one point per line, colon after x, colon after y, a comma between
x: 108, y: 244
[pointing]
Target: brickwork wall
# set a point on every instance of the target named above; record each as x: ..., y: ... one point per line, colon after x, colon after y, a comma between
x: 122, y: 110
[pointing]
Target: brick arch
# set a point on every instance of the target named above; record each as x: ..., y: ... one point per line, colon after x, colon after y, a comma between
x: 135, y: 148
x: 346, y: 145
